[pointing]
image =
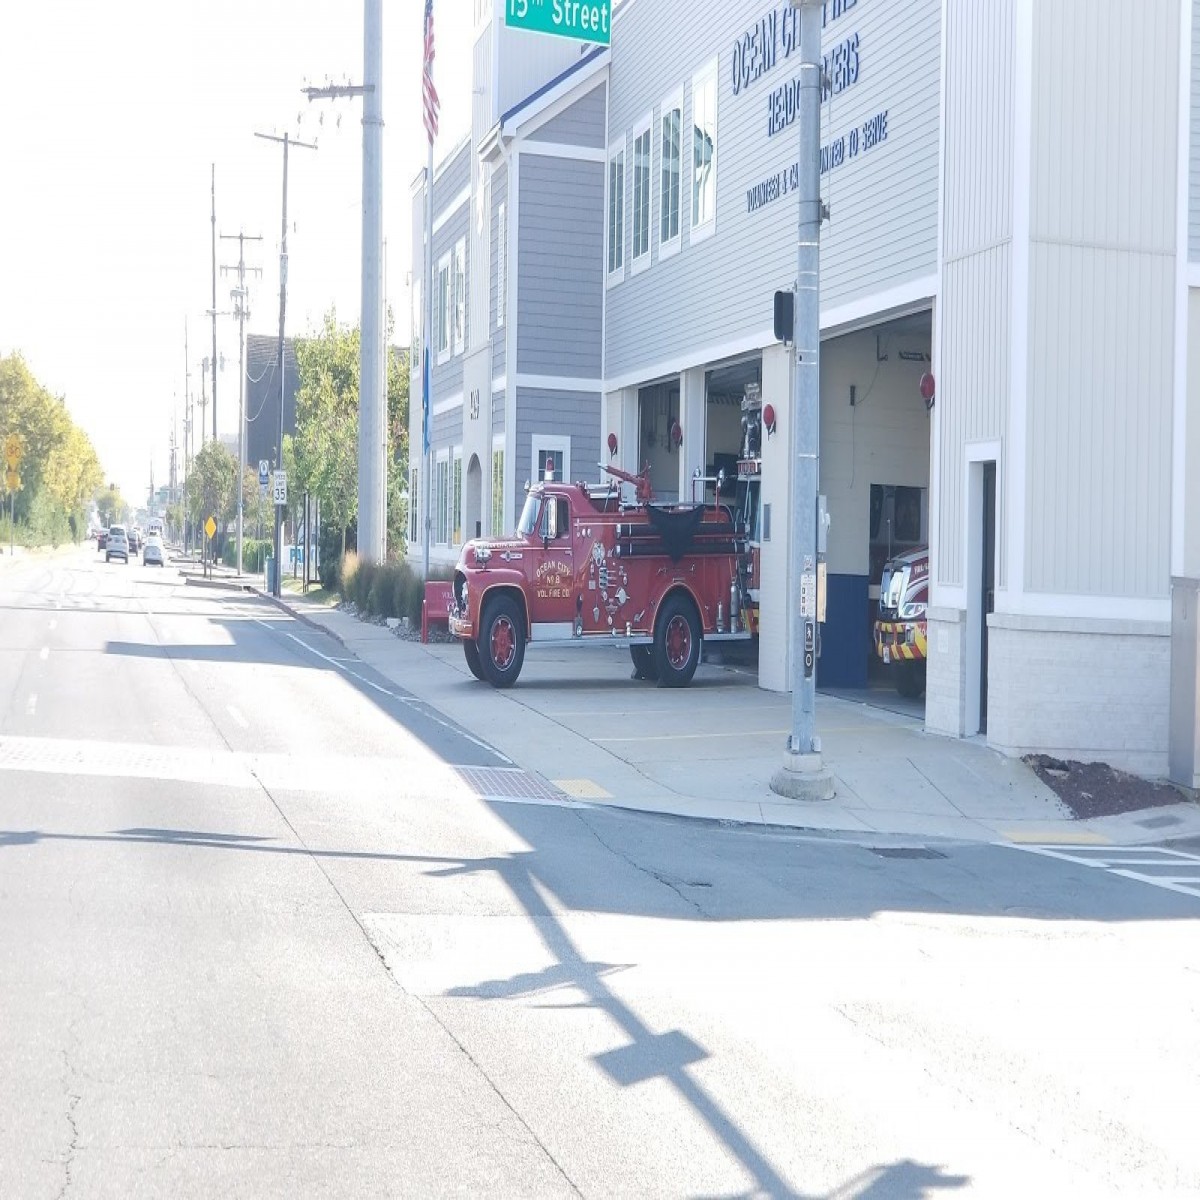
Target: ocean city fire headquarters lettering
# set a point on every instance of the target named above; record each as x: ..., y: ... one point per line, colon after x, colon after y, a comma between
x: 777, y: 36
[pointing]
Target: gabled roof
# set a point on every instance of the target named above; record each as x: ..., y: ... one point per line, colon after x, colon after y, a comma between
x: 586, y: 71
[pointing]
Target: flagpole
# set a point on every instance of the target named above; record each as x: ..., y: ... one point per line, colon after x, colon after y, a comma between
x: 426, y: 342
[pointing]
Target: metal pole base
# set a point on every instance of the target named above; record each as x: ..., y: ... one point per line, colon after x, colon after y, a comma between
x: 802, y: 777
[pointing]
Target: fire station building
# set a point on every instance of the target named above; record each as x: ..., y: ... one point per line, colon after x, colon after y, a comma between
x: 1014, y: 210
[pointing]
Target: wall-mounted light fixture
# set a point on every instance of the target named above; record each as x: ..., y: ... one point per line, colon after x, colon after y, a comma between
x: 768, y: 416
x: 612, y: 445
x: 676, y: 433
x: 928, y: 390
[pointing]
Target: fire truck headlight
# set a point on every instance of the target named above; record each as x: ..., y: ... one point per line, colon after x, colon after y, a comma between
x: 482, y: 554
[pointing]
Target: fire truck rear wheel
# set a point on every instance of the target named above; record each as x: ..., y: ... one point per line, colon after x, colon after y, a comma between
x: 471, y: 653
x: 910, y: 679
x: 643, y: 662
x: 676, y: 642
x: 502, y: 642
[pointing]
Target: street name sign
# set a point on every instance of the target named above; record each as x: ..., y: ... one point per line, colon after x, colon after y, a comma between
x: 280, y: 487
x: 584, y: 20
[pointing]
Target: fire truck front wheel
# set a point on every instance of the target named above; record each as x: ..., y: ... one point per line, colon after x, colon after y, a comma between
x: 643, y: 662
x: 676, y: 642
x: 502, y: 642
x: 471, y: 652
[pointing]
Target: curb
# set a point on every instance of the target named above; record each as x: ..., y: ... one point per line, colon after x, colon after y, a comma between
x: 224, y: 585
x: 281, y: 604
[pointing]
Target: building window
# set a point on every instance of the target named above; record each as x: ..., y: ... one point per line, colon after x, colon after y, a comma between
x: 441, y: 535
x: 498, y: 491
x: 460, y: 297
x: 442, y: 332
x: 501, y: 262
x: 616, y: 212
x: 670, y: 131
x: 414, y: 480
x: 641, y: 197
x: 456, y: 498
x: 551, y: 451
x: 704, y: 149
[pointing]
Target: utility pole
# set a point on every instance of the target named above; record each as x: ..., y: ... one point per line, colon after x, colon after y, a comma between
x: 214, y: 297
x: 803, y: 776
x: 241, y: 311
x: 187, y: 438
x: 203, y: 401
x: 372, y: 374
x: 283, y: 268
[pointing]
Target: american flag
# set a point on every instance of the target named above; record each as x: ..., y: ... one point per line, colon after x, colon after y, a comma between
x: 428, y: 91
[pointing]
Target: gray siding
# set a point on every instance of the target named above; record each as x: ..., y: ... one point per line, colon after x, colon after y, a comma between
x: 1194, y: 138
x: 499, y: 340
x: 451, y: 176
x: 447, y: 377
x: 573, y: 414
x: 583, y: 124
x: 497, y: 413
x: 560, y: 255
x: 883, y: 229
x: 976, y: 286
x: 447, y: 430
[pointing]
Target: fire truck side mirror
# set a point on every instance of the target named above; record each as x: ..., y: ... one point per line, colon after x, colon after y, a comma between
x: 785, y: 316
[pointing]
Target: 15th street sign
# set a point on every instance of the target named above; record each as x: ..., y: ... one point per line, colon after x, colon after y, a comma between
x: 584, y: 20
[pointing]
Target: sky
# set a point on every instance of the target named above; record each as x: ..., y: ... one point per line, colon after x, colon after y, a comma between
x: 110, y: 118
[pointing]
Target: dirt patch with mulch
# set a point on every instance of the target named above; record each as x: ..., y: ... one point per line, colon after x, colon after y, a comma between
x: 1094, y: 789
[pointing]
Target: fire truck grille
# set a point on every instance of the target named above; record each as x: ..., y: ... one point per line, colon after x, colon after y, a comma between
x: 508, y: 783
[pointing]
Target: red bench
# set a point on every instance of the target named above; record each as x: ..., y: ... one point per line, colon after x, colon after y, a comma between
x: 439, y: 600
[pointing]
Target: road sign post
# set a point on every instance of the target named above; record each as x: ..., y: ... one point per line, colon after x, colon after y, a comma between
x: 583, y: 20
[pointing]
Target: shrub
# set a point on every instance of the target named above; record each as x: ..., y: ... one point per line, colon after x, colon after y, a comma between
x: 347, y: 569
x: 380, y: 599
x: 364, y: 577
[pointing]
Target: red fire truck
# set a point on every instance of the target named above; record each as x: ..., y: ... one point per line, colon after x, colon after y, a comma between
x: 594, y: 563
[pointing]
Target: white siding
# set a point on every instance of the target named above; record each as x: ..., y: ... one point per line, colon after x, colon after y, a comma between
x: 1194, y: 165
x: 1101, y: 305
x: 883, y: 230
x: 976, y: 285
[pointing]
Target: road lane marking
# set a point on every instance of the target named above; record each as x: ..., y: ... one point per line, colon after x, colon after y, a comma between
x: 237, y: 716
x: 31, y: 704
x: 1116, y: 860
x: 412, y: 702
x: 44, y: 653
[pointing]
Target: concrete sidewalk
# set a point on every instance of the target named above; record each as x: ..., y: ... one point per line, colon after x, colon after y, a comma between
x: 709, y: 751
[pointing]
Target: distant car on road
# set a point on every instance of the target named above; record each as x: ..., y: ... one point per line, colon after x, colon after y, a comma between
x: 117, y: 545
x: 152, y: 552
x: 101, y: 538
x: 135, y: 539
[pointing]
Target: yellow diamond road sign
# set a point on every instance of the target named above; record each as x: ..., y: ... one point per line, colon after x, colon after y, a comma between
x: 210, y: 527
x: 12, y: 451
x: 12, y: 481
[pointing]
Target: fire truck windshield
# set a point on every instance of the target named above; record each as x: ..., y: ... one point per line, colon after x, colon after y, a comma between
x: 529, y: 516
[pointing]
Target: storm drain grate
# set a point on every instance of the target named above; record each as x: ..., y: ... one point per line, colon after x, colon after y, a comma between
x: 905, y: 852
x: 509, y: 783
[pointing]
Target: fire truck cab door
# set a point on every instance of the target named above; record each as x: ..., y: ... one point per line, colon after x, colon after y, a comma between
x: 554, y: 575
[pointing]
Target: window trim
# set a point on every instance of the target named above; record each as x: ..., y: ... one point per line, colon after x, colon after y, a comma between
x: 501, y: 260
x: 699, y: 231
x: 644, y: 128
x: 558, y: 444
x: 614, y: 275
x: 414, y: 485
x: 498, y: 445
x: 443, y: 294
x: 458, y: 320
x: 441, y: 533
x: 669, y: 247
x: 455, y: 505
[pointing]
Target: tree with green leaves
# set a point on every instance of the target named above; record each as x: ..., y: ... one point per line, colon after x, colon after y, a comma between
x: 326, y: 443
x: 211, y: 487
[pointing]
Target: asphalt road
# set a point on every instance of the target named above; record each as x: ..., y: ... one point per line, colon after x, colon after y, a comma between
x: 260, y: 935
